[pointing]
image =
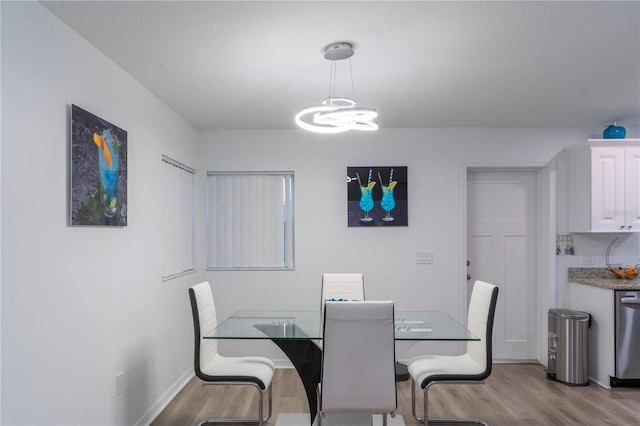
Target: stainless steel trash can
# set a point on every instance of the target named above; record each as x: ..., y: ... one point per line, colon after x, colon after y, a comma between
x: 568, y: 346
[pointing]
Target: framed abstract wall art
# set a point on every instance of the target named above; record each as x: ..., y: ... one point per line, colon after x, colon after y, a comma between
x: 98, y: 171
x: 377, y: 196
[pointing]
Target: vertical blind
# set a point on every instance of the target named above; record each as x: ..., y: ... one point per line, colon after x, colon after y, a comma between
x: 178, y: 208
x: 250, y: 220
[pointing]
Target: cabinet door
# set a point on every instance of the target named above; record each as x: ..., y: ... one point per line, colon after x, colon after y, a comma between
x: 632, y: 188
x: 607, y: 189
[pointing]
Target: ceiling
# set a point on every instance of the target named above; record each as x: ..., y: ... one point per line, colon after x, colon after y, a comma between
x: 253, y: 65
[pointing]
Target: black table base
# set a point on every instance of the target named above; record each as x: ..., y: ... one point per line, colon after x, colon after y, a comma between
x: 402, y: 372
x: 306, y: 357
x: 304, y: 354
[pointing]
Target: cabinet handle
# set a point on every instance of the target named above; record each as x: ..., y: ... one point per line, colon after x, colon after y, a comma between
x: 622, y: 227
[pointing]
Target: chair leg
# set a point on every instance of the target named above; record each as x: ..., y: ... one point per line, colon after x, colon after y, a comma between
x: 260, y: 421
x: 318, y: 412
x: 270, y: 404
x: 425, y: 406
x: 413, y: 403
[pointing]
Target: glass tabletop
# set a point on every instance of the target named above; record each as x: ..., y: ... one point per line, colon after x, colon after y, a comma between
x: 305, y: 325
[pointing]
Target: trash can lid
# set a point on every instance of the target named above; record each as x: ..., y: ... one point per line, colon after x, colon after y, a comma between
x: 569, y: 314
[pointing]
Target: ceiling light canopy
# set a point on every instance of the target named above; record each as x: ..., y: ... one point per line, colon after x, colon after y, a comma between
x: 337, y: 114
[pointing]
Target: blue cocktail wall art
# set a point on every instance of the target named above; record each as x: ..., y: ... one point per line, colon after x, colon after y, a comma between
x: 377, y: 196
x: 98, y: 171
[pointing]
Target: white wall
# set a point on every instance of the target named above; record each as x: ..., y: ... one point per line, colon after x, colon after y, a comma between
x: 79, y: 304
x: 436, y: 160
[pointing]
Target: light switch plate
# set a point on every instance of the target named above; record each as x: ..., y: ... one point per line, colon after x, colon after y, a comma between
x: 424, y: 257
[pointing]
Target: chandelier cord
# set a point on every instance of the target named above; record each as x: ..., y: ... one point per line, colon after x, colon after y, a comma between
x: 332, y: 80
x: 353, y: 90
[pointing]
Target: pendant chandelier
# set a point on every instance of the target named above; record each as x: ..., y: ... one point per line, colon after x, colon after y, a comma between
x: 337, y: 114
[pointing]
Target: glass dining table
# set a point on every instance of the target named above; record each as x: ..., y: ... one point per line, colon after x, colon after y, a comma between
x: 296, y: 333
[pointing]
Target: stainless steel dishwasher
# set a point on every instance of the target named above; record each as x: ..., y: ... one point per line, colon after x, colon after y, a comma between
x: 627, y: 338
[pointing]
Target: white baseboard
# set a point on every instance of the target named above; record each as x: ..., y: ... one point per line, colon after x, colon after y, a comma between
x: 165, y: 399
x: 603, y: 385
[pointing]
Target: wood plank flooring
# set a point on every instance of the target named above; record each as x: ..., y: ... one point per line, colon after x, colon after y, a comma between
x: 515, y: 394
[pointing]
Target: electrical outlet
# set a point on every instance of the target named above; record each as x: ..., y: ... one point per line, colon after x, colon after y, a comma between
x: 588, y: 259
x: 121, y: 382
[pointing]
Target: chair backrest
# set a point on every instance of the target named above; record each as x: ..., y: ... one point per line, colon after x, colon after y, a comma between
x: 482, y: 308
x: 204, y: 321
x: 358, y: 358
x: 341, y: 287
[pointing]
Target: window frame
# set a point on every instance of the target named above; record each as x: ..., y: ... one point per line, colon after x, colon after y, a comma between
x: 288, y: 227
x: 174, y: 163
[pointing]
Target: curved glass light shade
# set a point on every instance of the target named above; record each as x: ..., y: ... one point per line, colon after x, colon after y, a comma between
x: 337, y: 115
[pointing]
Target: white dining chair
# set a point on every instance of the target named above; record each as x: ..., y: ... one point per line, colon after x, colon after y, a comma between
x: 340, y: 287
x: 472, y: 367
x: 358, y: 359
x: 214, y: 369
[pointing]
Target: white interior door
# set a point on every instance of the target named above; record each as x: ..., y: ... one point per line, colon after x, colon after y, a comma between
x: 501, y: 248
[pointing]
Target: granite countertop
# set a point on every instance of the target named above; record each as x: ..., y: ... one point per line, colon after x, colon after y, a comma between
x: 601, y: 277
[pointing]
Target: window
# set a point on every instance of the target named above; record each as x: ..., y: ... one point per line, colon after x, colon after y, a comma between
x: 178, y: 209
x: 250, y: 220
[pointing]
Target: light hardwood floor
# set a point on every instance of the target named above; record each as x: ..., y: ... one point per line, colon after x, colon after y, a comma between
x: 515, y: 394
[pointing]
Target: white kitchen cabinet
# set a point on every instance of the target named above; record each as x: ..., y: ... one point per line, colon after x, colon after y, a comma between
x: 604, y: 186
